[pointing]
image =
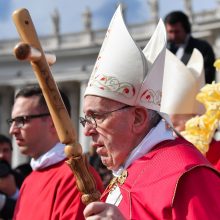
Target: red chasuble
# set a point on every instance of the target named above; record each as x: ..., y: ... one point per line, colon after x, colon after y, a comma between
x: 213, y: 155
x: 173, y: 181
x: 51, y: 194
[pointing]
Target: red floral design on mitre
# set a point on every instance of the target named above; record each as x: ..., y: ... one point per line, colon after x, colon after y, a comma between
x: 151, y: 96
x: 112, y: 84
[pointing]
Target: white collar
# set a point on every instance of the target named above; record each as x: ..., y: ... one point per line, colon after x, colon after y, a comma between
x: 181, y: 47
x: 53, y: 156
x: 156, y: 135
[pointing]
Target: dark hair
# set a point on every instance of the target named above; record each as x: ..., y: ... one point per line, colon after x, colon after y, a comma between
x: 30, y: 91
x: 178, y: 16
x: 5, y: 168
x: 24, y: 169
x: 5, y: 139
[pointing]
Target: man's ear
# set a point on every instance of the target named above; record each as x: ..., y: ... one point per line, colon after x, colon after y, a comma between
x: 140, y: 120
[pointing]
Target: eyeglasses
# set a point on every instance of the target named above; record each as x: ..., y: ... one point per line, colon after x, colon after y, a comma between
x: 97, y: 118
x: 21, y: 120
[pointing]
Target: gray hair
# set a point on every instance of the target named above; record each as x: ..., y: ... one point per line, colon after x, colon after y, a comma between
x: 153, y: 118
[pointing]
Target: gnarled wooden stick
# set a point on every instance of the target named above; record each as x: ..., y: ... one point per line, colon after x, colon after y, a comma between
x: 59, y: 114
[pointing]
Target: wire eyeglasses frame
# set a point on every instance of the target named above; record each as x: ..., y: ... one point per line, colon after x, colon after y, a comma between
x: 92, y: 119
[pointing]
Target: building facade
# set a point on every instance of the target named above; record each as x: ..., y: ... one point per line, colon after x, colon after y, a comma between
x: 76, y: 54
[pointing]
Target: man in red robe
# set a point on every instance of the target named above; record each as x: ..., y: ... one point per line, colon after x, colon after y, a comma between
x: 50, y: 191
x: 156, y: 175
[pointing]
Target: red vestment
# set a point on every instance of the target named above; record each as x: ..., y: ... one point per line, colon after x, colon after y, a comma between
x: 173, y: 181
x: 51, y: 194
x: 213, y: 154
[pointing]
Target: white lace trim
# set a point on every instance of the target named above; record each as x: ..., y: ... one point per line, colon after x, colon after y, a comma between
x: 53, y: 156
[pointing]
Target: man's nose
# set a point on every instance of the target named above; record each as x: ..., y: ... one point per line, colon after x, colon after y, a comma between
x: 13, y: 129
x: 89, y: 129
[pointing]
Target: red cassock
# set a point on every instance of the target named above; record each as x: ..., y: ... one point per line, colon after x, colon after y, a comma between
x: 213, y: 155
x: 51, y: 194
x: 173, y: 181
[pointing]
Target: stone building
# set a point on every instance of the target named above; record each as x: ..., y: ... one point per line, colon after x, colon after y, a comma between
x: 76, y: 54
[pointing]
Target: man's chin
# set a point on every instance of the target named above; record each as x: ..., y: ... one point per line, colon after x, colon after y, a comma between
x: 108, y: 165
x: 105, y: 162
x: 23, y: 149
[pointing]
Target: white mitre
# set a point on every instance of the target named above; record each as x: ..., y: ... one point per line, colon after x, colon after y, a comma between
x: 182, y: 83
x: 123, y: 72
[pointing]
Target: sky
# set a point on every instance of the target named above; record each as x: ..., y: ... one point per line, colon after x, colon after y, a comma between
x: 71, y: 13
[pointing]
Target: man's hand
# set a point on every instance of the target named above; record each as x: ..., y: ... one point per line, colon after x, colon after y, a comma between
x: 101, y: 210
x: 8, y: 185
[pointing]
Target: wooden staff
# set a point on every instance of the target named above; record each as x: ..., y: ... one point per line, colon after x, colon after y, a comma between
x: 24, y: 51
x: 62, y: 122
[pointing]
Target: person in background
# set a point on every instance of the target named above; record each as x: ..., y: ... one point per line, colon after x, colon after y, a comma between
x: 50, y: 191
x: 10, y: 180
x: 24, y: 169
x: 182, y: 43
x: 193, y: 107
x: 156, y: 176
x: 181, y: 84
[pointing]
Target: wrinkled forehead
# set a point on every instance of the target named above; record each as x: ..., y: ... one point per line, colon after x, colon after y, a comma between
x: 175, y: 26
x: 92, y: 102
